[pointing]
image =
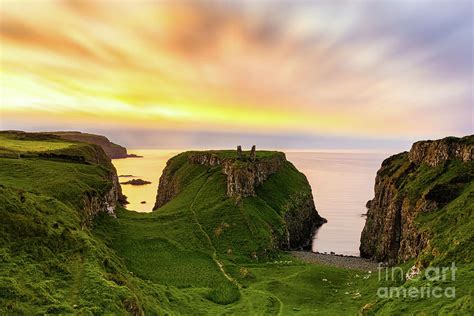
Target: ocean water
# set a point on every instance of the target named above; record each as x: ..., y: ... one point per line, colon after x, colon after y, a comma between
x: 147, y: 168
x: 342, y: 183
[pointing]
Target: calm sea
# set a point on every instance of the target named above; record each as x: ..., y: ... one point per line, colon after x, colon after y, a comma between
x: 342, y: 183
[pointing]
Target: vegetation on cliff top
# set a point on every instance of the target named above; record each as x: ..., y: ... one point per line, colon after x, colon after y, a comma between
x: 112, y: 150
x: 50, y: 261
x: 226, y: 250
x: 156, y: 263
x: 16, y: 144
x: 201, y: 253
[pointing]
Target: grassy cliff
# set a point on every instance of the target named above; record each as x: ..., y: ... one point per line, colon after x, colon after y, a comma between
x: 112, y: 150
x: 62, y: 251
x: 55, y: 260
x: 50, y: 192
x: 422, y: 216
x: 264, y: 203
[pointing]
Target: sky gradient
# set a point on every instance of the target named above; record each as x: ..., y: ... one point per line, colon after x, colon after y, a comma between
x: 321, y: 74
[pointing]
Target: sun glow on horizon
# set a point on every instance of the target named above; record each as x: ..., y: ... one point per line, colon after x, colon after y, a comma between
x: 265, y: 67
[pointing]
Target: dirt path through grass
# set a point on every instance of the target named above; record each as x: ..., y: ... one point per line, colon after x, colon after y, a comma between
x: 77, y: 270
x: 271, y: 295
x: 214, y: 251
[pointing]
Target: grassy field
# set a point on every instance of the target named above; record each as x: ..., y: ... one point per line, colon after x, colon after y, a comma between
x: 157, y: 251
x: 21, y: 143
x: 201, y: 253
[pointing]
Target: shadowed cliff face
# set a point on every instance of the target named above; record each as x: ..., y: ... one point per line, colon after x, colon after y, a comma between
x: 245, y: 178
x: 424, y: 180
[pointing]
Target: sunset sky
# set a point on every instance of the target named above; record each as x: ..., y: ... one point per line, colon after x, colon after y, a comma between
x: 321, y: 74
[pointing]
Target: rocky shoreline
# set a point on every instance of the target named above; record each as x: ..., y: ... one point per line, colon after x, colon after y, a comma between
x: 340, y: 261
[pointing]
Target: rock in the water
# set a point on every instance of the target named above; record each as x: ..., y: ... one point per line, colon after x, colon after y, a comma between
x: 136, y: 182
x: 133, y: 156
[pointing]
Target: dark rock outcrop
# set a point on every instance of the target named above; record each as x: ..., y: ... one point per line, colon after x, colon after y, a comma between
x: 208, y: 158
x: 239, y: 152
x: 136, y: 182
x: 302, y: 219
x: 168, y: 186
x: 244, y: 178
x: 434, y: 153
x: 107, y: 201
x: 391, y: 233
x: 253, y: 154
x: 95, y: 203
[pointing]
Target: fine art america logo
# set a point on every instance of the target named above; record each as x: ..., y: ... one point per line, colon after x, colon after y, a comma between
x: 434, y: 276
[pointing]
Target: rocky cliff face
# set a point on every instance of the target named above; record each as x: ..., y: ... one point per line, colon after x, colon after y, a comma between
x: 408, y: 184
x: 107, y: 201
x: 434, y: 153
x: 94, y: 203
x: 243, y: 176
x: 112, y: 150
x: 168, y: 187
x: 301, y: 220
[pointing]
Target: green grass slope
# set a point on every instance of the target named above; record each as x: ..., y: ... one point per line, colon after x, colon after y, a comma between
x: 239, y: 229
x: 50, y: 262
x: 201, y: 253
x: 173, y: 261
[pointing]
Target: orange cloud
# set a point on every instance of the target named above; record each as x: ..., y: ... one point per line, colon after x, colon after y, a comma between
x: 220, y: 66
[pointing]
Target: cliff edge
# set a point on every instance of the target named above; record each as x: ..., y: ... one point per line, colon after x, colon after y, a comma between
x: 46, y: 156
x: 248, y: 180
x: 412, y: 189
x: 112, y: 150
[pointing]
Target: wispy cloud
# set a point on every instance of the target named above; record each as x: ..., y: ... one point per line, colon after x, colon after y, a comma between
x: 363, y: 68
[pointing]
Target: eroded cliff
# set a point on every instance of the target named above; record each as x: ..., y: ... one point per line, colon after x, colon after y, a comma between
x: 245, y: 177
x: 425, y: 180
